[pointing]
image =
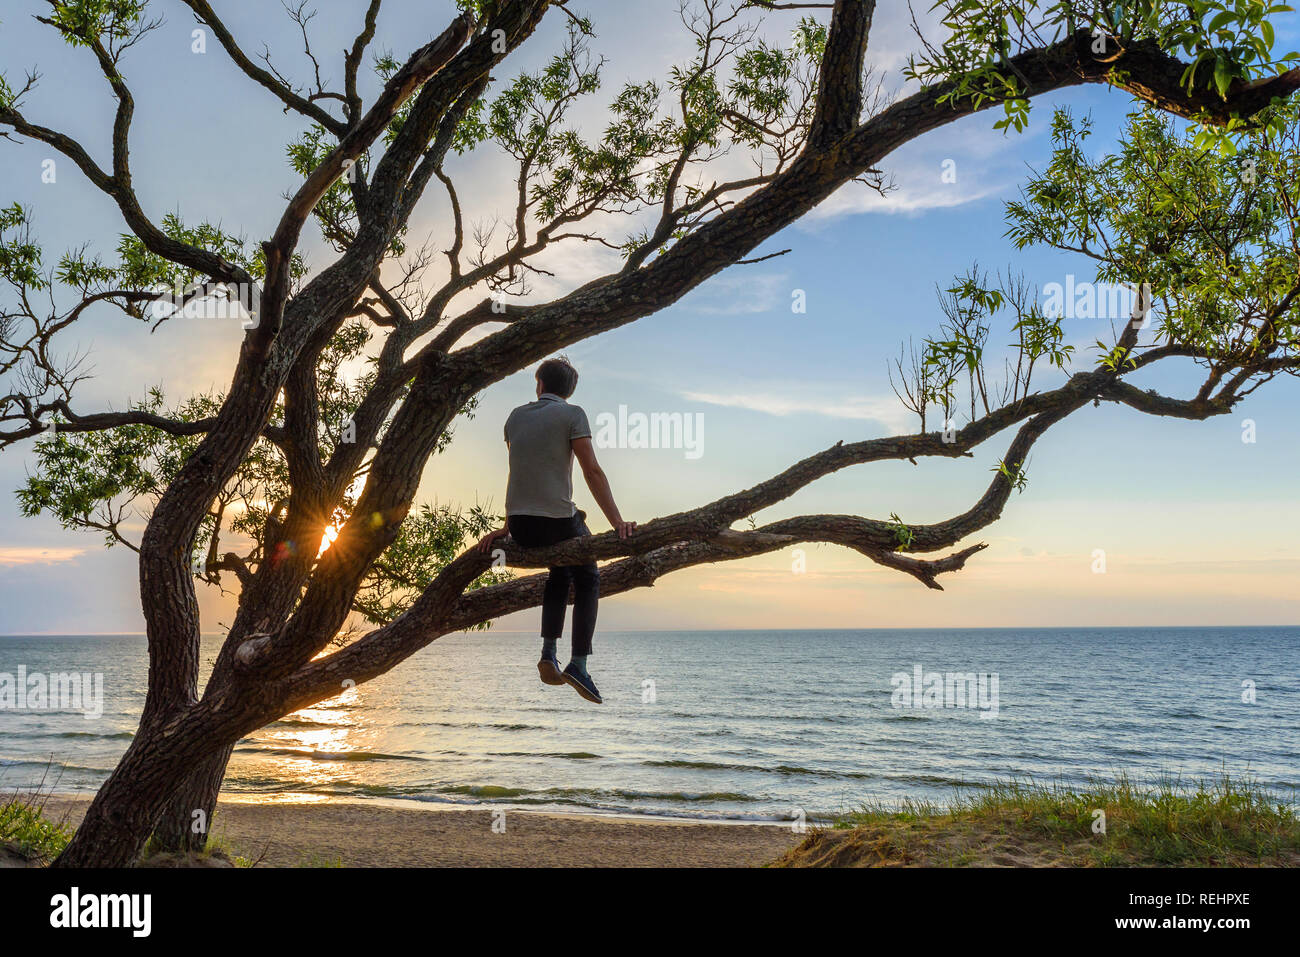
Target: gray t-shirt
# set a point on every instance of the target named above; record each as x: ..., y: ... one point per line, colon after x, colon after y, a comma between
x: 541, y: 458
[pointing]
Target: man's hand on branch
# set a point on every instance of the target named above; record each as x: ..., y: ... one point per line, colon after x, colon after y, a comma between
x: 487, y: 541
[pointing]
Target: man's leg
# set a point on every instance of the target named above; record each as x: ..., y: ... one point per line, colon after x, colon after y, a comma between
x: 554, y: 599
x: 586, y: 592
x: 532, y: 531
x: 586, y: 596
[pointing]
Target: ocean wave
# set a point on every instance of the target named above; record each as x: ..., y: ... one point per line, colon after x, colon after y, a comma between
x: 783, y: 769
x: 593, y: 796
x: 499, y: 726
x: 103, y: 736
x: 935, y: 779
x: 484, y: 790
x: 54, y: 764
x: 331, y: 755
x: 566, y: 755
x: 684, y: 797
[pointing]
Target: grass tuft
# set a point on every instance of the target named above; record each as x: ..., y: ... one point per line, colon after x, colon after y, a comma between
x: 26, y: 832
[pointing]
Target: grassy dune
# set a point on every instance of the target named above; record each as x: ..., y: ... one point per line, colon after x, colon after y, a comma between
x: 1222, y: 823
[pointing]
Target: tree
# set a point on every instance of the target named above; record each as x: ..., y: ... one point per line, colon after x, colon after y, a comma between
x: 310, y: 454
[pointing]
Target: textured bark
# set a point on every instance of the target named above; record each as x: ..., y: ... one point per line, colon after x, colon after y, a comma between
x: 122, y: 816
x: 179, y: 828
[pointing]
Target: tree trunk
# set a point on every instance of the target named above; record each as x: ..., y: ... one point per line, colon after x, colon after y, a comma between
x: 186, y: 821
x: 125, y: 810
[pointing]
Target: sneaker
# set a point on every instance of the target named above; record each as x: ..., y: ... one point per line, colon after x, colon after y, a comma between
x: 582, y: 684
x: 549, y: 669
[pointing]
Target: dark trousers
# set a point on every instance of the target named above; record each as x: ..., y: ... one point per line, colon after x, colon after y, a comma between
x: 536, y: 531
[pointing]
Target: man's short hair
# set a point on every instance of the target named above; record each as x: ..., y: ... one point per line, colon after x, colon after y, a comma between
x: 558, y: 376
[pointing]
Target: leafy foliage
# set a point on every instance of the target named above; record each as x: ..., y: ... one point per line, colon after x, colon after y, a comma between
x: 82, y: 21
x: 20, y: 256
x: 1216, y: 236
x: 1223, y: 40
x: 427, y: 541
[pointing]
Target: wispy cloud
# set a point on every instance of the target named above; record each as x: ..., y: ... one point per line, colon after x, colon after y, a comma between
x: 740, y: 293
x: 33, y: 555
x: 959, y: 165
x: 907, y: 200
x: 883, y: 409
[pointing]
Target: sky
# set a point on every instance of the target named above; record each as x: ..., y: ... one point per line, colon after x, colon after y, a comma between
x: 1196, y: 526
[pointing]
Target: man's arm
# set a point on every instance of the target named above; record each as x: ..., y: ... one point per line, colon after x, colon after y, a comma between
x: 599, y: 485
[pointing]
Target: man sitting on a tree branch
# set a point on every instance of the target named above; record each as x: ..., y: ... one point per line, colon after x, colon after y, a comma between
x: 543, y: 437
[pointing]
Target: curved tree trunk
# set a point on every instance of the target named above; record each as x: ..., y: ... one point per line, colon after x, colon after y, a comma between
x: 186, y: 821
x: 129, y: 804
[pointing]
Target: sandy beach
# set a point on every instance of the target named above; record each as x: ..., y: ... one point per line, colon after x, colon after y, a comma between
x: 372, y: 835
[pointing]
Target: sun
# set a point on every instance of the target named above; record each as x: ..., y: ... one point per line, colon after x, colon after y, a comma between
x: 326, y: 540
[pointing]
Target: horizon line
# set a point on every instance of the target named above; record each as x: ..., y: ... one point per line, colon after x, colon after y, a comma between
x: 647, y: 631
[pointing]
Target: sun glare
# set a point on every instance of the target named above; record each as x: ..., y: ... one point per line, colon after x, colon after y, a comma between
x: 326, y: 540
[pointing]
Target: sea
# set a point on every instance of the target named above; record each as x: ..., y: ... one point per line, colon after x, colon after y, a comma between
x: 724, y: 725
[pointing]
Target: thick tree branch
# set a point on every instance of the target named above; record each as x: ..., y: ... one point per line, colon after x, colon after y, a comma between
x: 839, y: 92
x: 875, y: 539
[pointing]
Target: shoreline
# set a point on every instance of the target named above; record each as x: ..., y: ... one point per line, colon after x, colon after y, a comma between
x: 1223, y: 823
x: 365, y: 833
x: 313, y: 799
